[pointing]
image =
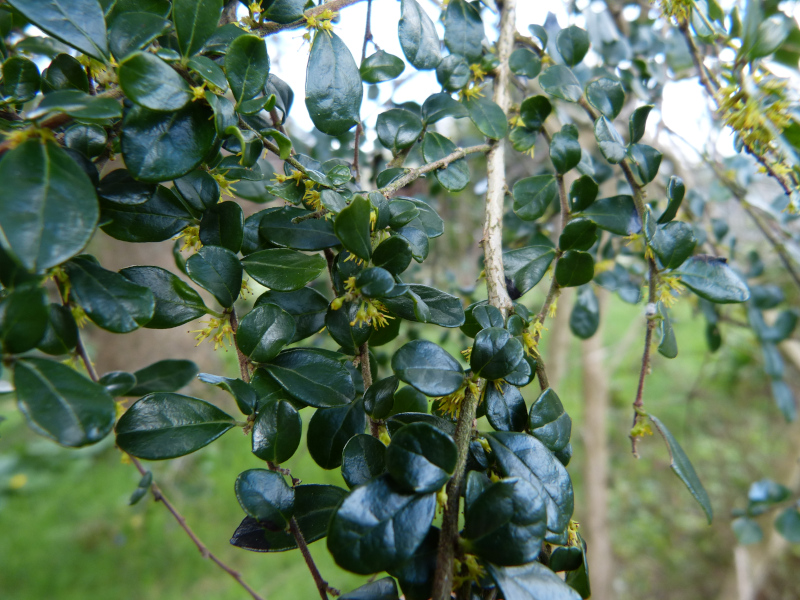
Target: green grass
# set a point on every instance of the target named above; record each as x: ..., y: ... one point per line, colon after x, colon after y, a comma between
x: 68, y: 533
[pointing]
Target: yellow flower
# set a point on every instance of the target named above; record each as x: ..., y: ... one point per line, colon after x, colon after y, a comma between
x: 219, y: 330
x: 191, y: 238
x: 198, y: 92
x: 477, y: 72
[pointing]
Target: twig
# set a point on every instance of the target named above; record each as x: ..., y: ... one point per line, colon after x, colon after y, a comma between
x: 356, y: 144
x: 366, y: 374
x: 270, y: 27
x: 367, y: 31
x: 711, y: 87
x: 322, y: 585
x: 414, y: 174
x: 159, y: 496
x: 498, y: 297
x: 244, y: 362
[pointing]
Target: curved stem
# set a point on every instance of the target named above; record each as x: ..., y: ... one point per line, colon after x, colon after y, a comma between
x: 271, y: 27
x: 322, y: 585
x: 244, y: 362
x: 498, y: 297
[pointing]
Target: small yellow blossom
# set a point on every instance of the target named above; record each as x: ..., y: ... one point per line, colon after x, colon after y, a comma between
x: 219, y: 330
x: 477, y: 72
x: 467, y: 570
x: 198, y: 92
x: 18, y: 481
x: 471, y: 92
x: 191, y: 238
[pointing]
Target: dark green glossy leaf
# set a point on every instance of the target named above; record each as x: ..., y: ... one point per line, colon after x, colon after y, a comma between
x: 488, y: 117
x: 382, y: 589
x: 585, y: 316
x: 310, y: 234
x: 566, y: 558
x: 313, y: 507
x: 60, y: 335
x: 606, y: 95
x: 533, y: 195
x: 333, y: 85
x: 428, y: 368
x: 282, y: 269
x: 110, y: 300
x: 352, y: 227
x: 453, y: 72
x: 247, y: 67
x: 195, y: 22
x: 523, y: 139
x: 89, y: 140
x: 506, y: 522
x: 495, y: 353
x: 379, y: 398
x: 161, y: 146
x: 673, y: 243
x: 644, y: 161
x: 578, y: 234
x: 118, y: 187
x: 163, y: 376
x: 61, y: 403
x: 377, y: 528
x: 165, y: 425
x: 548, y: 421
x: 409, y: 400
x: 610, y: 142
x: 637, y: 122
x: 402, y: 211
x: 560, y: 82
x: 572, y: 44
x: 524, y: 62
x: 505, y: 407
x: 152, y: 83
x: 21, y: 79
x: 23, y: 318
x: 522, y: 455
x: 418, y: 37
x: 176, y: 302
x: 210, y: 71
x: 574, y: 268
x: 416, y: 574
x: 417, y: 241
x: 276, y: 431
x: 342, y: 328
x: 398, y: 128
x: 64, y: 73
x: 578, y: 579
x: 421, y: 458
x: 454, y: 177
x: 427, y: 305
x: 223, y: 225
x: 582, y: 193
x: 244, y: 393
x: 463, y: 30
x: 265, y: 496
x: 565, y: 150
x: 363, y: 459
x: 312, y: 377
x: 668, y: 346
x: 79, y: 23
x: 784, y: 399
x: 533, y: 581
x: 330, y: 429
x: 157, y: 219
x: 438, y: 106
x: 134, y: 31
x: 53, y: 195
x: 374, y: 282
x: 527, y: 266
x: 684, y: 469
x: 306, y: 305
x: 616, y: 214
x: 675, y: 193
x: 381, y: 66
x: 217, y: 270
x: 77, y: 104
x: 712, y: 278
x: 534, y: 111
x: 264, y: 331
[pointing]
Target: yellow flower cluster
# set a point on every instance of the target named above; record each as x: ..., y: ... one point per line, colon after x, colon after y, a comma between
x: 370, y: 311
x: 680, y: 9
x: 191, y: 238
x: 451, y: 404
x: 531, y: 338
x: 322, y: 22
x: 471, y: 92
x: 756, y: 123
x: 669, y: 288
x: 466, y: 570
x: 219, y: 330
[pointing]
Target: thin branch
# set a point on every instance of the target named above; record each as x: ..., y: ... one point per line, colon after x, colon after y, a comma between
x: 711, y: 86
x: 356, y: 144
x: 322, y: 585
x: 555, y: 289
x: 498, y: 297
x: 159, y: 496
x: 414, y: 174
x: 244, y: 362
x: 270, y: 27
x: 366, y: 374
x: 367, y: 31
